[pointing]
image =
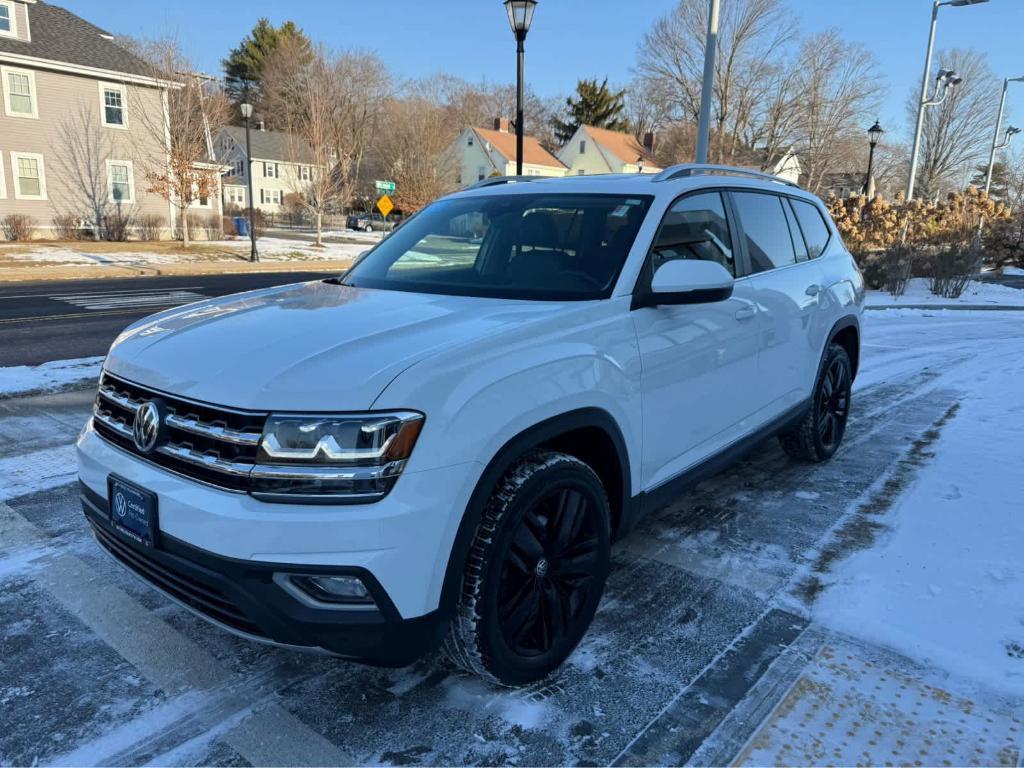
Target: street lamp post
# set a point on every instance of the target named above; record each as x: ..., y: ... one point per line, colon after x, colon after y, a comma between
x: 246, y: 108
x: 874, y: 134
x: 924, y: 101
x: 999, y: 124
x: 704, y: 117
x: 520, y: 16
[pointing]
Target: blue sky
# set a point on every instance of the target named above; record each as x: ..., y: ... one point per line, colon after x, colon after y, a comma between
x: 570, y: 38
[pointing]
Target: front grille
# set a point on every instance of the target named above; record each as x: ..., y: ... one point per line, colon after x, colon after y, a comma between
x: 208, y: 443
x: 200, y: 596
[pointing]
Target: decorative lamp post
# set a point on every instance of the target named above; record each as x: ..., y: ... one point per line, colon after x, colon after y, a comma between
x: 874, y: 134
x: 520, y: 17
x: 246, y: 108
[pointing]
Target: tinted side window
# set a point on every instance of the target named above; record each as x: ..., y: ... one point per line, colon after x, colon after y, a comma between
x: 813, y: 225
x: 767, y: 232
x: 695, y: 228
x: 794, y: 232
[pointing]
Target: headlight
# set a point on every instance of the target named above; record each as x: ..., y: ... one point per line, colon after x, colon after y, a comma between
x: 351, y: 458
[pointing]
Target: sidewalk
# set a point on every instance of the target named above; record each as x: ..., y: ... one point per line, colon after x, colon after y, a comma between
x: 38, y: 272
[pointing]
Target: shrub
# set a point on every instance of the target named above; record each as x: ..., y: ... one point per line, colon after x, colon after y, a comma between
x: 953, y: 268
x: 150, y: 225
x: 18, y: 226
x: 260, y: 220
x: 211, y: 225
x: 67, y: 226
x: 228, y: 225
x: 116, y: 225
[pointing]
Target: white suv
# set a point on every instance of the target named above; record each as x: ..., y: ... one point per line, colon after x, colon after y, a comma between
x: 440, y: 446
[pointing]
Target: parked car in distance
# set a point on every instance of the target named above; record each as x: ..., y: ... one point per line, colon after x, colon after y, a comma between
x: 438, y: 448
x: 369, y: 222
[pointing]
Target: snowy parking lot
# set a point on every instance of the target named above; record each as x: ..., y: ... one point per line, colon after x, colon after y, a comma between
x: 867, y: 610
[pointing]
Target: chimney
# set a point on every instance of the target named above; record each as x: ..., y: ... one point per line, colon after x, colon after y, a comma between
x: 649, y: 139
x: 501, y: 124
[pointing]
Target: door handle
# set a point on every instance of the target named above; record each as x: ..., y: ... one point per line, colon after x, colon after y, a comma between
x: 745, y: 313
x: 813, y: 289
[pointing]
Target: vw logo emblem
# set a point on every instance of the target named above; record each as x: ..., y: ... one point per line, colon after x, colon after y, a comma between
x: 120, y: 505
x: 147, y: 426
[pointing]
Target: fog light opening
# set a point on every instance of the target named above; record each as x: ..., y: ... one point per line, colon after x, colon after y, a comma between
x: 327, y: 591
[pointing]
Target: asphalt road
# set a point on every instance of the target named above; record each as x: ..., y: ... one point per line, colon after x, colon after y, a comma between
x: 58, y: 320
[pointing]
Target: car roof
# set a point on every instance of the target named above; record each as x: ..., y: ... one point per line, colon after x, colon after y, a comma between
x: 671, y: 182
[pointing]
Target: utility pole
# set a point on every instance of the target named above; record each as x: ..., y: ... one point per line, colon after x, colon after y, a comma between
x: 707, y: 90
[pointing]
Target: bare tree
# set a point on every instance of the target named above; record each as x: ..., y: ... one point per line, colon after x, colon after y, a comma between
x: 956, y: 133
x: 753, y: 34
x: 83, y: 149
x: 415, y: 153
x: 194, y: 109
x: 839, y: 87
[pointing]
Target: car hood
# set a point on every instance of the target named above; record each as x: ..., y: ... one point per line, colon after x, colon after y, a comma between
x: 310, y: 346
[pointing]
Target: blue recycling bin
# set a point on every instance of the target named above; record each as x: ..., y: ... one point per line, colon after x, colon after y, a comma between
x: 242, y: 226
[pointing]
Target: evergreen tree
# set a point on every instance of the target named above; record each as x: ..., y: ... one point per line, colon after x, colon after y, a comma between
x: 1000, y: 179
x: 243, y: 68
x: 594, y: 104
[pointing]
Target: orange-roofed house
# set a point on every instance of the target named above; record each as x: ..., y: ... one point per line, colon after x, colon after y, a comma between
x: 597, y: 150
x: 482, y: 152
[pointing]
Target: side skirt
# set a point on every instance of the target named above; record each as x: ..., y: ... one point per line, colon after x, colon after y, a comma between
x: 664, y: 494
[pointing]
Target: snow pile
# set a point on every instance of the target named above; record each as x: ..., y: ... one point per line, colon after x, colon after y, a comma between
x: 945, y: 587
x: 57, y: 374
x: 976, y: 293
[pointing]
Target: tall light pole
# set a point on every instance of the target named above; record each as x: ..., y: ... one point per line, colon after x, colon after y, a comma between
x: 520, y: 16
x: 924, y: 101
x: 995, y: 134
x: 710, y: 46
x: 246, y: 109
x: 874, y: 134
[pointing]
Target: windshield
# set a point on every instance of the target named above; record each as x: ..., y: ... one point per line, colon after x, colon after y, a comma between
x: 554, y: 247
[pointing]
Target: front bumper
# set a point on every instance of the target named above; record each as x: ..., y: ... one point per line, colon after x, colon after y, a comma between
x: 231, y: 544
x: 242, y: 597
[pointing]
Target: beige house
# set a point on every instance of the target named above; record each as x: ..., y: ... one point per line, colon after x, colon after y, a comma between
x: 597, y: 150
x: 480, y: 153
x: 59, y: 72
x: 281, y: 166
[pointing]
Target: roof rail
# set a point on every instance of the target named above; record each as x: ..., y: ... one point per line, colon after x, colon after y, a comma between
x: 494, y: 181
x: 692, y: 169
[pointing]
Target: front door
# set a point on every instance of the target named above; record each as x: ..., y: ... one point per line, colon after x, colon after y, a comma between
x: 699, y: 361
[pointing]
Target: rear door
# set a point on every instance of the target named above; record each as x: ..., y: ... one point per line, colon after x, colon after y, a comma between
x: 785, y: 285
x: 699, y: 361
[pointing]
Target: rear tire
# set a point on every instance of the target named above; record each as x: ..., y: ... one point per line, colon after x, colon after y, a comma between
x: 818, y: 435
x: 535, y: 572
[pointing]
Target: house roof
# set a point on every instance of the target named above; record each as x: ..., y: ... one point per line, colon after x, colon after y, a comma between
x: 623, y: 145
x: 533, y: 151
x: 272, y: 145
x: 59, y: 35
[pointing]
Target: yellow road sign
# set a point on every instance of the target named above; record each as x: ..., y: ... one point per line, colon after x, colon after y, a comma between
x: 385, y: 206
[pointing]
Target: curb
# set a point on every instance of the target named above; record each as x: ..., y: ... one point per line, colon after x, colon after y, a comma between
x: 958, y: 307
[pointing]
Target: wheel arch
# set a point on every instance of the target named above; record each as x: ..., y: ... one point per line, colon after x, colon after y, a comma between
x: 845, y: 333
x: 590, y: 434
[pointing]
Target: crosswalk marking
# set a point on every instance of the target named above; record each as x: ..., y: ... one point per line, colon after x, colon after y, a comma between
x: 124, y: 300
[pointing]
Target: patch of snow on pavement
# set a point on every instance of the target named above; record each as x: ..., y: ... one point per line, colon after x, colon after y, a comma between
x: 945, y: 587
x: 37, y: 471
x: 976, y: 293
x: 56, y: 374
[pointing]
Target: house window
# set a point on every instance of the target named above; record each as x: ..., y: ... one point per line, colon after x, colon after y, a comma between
x: 583, y: 147
x: 29, y: 176
x: 112, y: 105
x: 236, y: 195
x: 3, y: 182
x: 469, y: 142
x: 7, y: 19
x: 481, y: 173
x: 271, y: 171
x: 305, y: 173
x: 122, y: 183
x: 239, y: 166
x: 20, y: 92
x: 581, y: 172
x: 227, y: 143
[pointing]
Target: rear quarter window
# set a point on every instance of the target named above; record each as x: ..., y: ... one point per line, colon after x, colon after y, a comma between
x: 812, y: 223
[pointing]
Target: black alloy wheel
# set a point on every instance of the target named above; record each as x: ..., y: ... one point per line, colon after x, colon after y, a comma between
x: 834, y: 403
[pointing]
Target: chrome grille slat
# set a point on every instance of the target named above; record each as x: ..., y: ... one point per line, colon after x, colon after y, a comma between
x: 211, y: 431
x: 182, y: 453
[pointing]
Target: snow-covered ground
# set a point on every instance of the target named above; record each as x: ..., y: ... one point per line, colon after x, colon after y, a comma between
x: 976, y: 293
x: 22, y: 379
x: 270, y: 248
x: 863, y: 610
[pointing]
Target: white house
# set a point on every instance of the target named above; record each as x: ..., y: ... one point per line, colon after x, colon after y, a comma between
x: 280, y: 165
x: 480, y: 153
x: 597, y: 150
x: 786, y: 167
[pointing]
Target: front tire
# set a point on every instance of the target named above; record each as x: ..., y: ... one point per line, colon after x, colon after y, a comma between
x: 819, y: 433
x: 535, y: 572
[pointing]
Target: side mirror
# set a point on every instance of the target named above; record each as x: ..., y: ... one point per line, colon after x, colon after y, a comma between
x: 689, y: 281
